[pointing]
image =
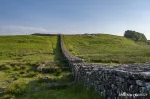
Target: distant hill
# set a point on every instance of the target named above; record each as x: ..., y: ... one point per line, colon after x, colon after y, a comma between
x: 41, y: 34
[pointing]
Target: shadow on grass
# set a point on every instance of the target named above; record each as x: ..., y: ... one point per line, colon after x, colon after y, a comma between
x: 58, y: 56
x: 75, y: 91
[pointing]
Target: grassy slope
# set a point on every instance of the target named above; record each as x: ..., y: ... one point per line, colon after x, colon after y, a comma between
x: 26, y: 48
x: 105, y: 48
x: 34, y: 50
x: 26, y: 52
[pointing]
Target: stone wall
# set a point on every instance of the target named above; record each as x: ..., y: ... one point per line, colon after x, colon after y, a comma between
x: 128, y: 81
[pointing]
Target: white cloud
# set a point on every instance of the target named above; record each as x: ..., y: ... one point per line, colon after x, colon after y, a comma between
x: 147, y: 36
x: 15, y: 30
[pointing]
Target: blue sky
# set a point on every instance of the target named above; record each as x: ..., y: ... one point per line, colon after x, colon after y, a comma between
x: 74, y: 16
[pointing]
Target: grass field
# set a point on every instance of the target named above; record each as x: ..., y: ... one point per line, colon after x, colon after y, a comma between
x: 20, y: 56
x: 76, y: 91
x: 27, y: 48
x: 105, y: 48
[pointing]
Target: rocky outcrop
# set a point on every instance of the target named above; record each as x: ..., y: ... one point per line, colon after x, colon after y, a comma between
x: 128, y: 81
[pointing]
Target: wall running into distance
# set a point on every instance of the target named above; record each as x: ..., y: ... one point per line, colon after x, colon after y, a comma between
x: 127, y: 81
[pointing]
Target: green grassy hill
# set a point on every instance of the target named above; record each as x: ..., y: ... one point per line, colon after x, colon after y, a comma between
x: 19, y: 78
x: 104, y: 48
x: 26, y: 48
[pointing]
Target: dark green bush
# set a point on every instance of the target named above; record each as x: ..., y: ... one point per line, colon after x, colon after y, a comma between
x: 136, y: 36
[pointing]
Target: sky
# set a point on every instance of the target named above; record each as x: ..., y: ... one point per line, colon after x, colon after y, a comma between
x: 74, y: 16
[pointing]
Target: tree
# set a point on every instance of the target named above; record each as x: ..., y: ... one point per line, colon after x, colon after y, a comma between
x: 148, y: 42
x: 136, y: 36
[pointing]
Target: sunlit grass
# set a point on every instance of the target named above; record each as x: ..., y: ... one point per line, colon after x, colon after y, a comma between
x: 19, y: 58
x: 34, y: 48
x: 105, y: 48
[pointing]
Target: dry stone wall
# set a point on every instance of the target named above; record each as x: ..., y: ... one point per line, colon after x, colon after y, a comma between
x: 128, y: 81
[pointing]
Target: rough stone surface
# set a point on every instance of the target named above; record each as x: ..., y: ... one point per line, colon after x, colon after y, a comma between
x: 132, y: 81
